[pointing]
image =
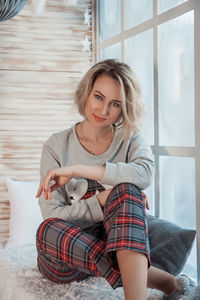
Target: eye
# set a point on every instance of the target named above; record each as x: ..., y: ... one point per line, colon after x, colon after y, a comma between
x: 99, y: 97
x: 115, y: 104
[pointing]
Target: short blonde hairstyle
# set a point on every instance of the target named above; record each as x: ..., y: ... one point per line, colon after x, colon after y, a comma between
x: 132, y: 106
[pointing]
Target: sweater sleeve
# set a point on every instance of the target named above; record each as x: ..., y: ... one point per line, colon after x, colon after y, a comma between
x: 83, y: 213
x: 138, y: 169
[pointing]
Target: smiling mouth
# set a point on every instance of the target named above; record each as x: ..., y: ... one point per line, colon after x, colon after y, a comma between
x: 98, y: 119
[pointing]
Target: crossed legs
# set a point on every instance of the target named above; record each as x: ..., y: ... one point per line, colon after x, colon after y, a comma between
x: 66, y: 253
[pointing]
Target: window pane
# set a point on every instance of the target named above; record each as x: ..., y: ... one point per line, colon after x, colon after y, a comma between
x: 109, y: 18
x: 113, y: 51
x: 177, y: 190
x: 164, y: 5
x: 141, y: 60
x: 177, y: 194
x: 137, y: 12
x: 191, y: 265
x: 176, y: 81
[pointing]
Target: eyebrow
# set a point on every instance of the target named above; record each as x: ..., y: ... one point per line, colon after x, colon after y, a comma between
x: 104, y: 96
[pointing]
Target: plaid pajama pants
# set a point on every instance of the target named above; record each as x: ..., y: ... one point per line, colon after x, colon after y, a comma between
x: 68, y: 253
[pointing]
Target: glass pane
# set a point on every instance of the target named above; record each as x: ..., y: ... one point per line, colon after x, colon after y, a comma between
x: 141, y: 60
x: 113, y: 51
x: 176, y: 81
x: 109, y: 18
x: 164, y: 5
x: 177, y: 194
x: 191, y: 265
x: 137, y: 12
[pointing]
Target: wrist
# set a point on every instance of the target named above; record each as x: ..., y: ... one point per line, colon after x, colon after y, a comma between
x: 74, y: 171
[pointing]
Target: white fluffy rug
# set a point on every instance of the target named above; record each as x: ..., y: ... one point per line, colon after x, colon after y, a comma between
x: 20, y: 279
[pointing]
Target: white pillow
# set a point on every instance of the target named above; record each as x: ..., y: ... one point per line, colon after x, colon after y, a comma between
x: 25, y: 214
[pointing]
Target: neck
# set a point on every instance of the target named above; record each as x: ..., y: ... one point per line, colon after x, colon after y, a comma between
x: 95, y: 134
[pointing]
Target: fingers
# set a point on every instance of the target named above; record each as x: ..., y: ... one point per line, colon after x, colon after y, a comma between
x: 48, y: 195
x: 144, y: 196
x: 39, y: 190
x: 45, y: 185
x: 46, y: 192
x: 54, y: 187
x: 49, y: 177
x: 147, y: 205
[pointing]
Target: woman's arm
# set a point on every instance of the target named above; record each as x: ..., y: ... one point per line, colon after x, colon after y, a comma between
x: 84, y: 213
x: 137, y: 169
x: 62, y: 175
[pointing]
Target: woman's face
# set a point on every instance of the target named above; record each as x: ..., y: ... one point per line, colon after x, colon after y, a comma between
x: 104, y: 106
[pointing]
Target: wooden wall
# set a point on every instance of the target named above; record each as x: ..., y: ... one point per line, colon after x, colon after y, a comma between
x: 41, y: 62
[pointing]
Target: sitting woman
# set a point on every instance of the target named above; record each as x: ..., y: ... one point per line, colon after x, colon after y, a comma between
x: 92, y: 177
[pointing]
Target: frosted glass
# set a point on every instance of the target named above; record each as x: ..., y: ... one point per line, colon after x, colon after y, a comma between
x: 191, y: 265
x: 164, y: 5
x: 176, y: 81
x: 141, y: 60
x: 177, y: 190
x: 177, y: 197
x: 113, y: 51
x: 109, y: 18
x: 137, y: 12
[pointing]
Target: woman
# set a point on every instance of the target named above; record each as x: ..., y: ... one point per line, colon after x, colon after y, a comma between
x: 92, y: 177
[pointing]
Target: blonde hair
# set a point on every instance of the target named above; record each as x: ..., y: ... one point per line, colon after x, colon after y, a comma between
x: 132, y: 106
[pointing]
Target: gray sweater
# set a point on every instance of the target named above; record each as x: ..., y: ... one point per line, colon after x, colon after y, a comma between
x: 125, y: 161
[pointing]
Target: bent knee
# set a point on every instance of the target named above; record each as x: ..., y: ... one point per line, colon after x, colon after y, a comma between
x: 123, y: 192
x: 127, y: 187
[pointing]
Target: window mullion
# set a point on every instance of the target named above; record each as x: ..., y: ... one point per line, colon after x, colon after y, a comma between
x: 156, y: 125
x: 197, y: 124
x: 122, y: 27
x: 97, y: 39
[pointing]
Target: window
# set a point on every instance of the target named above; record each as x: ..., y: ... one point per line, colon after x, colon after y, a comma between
x: 160, y: 40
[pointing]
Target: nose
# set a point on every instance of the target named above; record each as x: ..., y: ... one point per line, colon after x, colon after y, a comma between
x: 105, y: 109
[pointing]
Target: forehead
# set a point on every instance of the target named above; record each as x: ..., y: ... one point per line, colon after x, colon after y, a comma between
x: 106, y: 83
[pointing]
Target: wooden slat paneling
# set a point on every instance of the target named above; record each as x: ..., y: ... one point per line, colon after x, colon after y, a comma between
x: 41, y: 63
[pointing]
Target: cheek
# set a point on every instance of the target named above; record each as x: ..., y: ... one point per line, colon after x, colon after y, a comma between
x: 117, y: 114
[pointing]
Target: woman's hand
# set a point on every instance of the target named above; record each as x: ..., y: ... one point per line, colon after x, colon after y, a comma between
x: 63, y: 175
x: 102, y: 197
x: 60, y: 176
x: 144, y: 196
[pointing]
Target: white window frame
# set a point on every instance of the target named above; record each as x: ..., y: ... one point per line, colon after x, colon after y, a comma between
x: 190, y: 5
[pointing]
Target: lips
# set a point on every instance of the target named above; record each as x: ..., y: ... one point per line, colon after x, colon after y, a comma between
x: 98, y: 119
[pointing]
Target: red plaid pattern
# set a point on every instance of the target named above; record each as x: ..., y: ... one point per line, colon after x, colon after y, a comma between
x: 67, y: 253
x: 93, y: 186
